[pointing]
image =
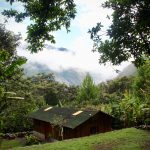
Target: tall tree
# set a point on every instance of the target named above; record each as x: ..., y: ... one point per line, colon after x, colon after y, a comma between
x: 15, y: 105
x: 112, y: 91
x: 10, y: 73
x: 141, y: 85
x: 88, y: 91
x: 47, y: 16
x: 129, y: 33
x: 9, y: 60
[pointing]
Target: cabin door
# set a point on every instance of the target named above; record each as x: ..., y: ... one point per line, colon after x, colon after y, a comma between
x: 93, y: 130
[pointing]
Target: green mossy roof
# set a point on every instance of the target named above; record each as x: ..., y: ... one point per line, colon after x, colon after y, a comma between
x: 62, y: 116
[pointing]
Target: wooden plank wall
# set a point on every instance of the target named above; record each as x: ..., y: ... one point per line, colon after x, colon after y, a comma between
x: 97, y: 124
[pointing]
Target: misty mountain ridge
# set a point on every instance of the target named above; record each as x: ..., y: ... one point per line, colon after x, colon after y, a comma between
x: 130, y: 70
x: 72, y: 76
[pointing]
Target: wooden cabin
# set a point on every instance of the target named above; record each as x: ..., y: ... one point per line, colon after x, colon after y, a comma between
x: 66, y: 123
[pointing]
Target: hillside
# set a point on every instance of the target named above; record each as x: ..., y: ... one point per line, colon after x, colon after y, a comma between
x: 126, y: 139
x: 130, y: 70
x: 70, y: 76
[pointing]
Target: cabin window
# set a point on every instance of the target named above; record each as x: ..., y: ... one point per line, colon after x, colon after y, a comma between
x: 93, y: 130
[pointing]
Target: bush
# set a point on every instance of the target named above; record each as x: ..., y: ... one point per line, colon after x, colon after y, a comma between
x: 2, y: 135
x: 31, y: 139
x: 147, y: 121
x: 21, y: 134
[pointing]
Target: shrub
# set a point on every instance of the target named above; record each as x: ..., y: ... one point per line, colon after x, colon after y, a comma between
x: 2, y: 135
x: 147, y: 121
x: 31, y: 139
x: 21, y: 134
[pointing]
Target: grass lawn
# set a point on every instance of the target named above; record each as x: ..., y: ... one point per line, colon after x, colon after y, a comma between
x: 126, y: 139
x: 9, y: 144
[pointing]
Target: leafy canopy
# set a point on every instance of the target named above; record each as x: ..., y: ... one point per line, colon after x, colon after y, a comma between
x: 88, y: 91
x: 47, y: 16
x: 128, y: 35
x: 9, y: 61
x: 16, y: 103
x: 141, y: 84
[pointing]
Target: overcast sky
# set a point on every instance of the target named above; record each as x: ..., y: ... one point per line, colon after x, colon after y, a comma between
x: 73, y: 49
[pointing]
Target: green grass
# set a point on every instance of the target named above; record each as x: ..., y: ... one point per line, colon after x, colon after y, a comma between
x: 126, y: 139
x: 9, y: 144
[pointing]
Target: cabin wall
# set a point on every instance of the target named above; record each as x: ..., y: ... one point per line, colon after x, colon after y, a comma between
x: 45, y: 130
x: 97, y: 124
x: 42, y: 127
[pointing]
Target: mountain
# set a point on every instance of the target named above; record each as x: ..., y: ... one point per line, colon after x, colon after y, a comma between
x: 130, y: 70
x: 70, y: 76
x: 31, y: 69
x: 73, y: 76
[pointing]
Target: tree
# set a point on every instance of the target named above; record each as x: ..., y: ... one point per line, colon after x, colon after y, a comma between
x: 15, y: 104
x: 88, y: 91
x: 128, y: 34
x: 52, y: 92
x: 141, y: 89
x: 134, y: 107
x: 13, y: 108
x: 112, y: 91
x: 47, y: 16
x: 9, y: 61
x: 141, y: 85
x: 14, y: 111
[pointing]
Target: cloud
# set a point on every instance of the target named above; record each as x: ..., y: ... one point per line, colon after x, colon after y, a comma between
x: 83, y: 60
x: 72, y: 50
x: 55, y: 59
x: 91, y: 12
x: 63, y: 49
x: 51, y: 47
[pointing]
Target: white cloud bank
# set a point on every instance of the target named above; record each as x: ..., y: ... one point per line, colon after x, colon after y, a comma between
x: 80, y: 55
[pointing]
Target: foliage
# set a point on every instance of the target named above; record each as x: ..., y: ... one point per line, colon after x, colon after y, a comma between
x: 141, y: 88
x: 42, y: 78
x: 15, y: 105
x: 112, y: 91
x: 9, y: 61
x: 10, y: 75
x: 126, y: 139
x: 31, y: 140
x: 134, y: 107
x: 147, y: 120
x: 132, y: 110
x: 128, y: 35
x: 16, y: 118
x: 1, y: 135
x: 27, y: 94
x: 141, y: 84
x: 88, y: 91
x: 52, y: 92
x: 127, y: 98
x: 47, y: 16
